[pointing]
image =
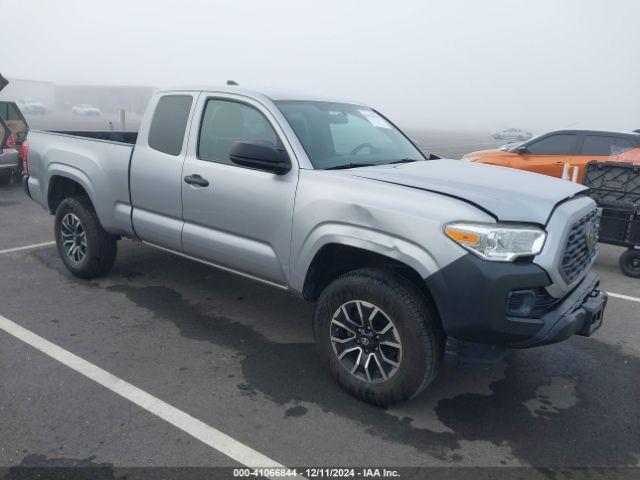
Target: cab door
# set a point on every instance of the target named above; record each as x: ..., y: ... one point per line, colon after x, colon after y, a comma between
x: 235, y: 217
x: 156, y: 170
x: 548, y: 154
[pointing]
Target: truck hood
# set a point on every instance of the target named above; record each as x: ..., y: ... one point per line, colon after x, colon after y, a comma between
x: 508, y: 194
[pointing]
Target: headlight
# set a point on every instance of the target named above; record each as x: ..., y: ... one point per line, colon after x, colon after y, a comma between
x: 497, y: 242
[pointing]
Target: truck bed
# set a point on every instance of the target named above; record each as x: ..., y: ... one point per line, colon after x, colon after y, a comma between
x: 120, y: 137
x: 99, y: 161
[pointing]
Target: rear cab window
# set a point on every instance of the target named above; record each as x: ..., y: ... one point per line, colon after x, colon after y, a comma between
x: 169, y: 123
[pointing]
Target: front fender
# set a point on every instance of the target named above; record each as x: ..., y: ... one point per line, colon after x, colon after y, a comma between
x: 402, y: 250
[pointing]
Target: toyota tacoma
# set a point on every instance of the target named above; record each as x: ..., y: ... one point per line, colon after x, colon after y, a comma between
x: 400, y: 250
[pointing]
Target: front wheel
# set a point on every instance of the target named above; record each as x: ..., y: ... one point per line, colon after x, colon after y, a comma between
x: 378, y: 335
x: 85, y: 248
x: 630, y: 263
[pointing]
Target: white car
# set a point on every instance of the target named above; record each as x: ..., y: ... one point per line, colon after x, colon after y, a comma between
x: 29, y: 105
x: 512, y: 134
x: 85, y: 109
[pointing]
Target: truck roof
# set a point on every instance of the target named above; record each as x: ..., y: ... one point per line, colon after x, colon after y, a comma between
x: 271, y: 94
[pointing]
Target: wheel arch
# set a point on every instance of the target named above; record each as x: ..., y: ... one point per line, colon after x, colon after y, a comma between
x: 335, y: 259
x: 66, y: 182
x: 331, y: 237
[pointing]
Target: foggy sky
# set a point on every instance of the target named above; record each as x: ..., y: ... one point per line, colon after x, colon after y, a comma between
x: 538, y: 64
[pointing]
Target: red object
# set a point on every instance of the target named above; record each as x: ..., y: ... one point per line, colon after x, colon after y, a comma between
x: 23, y: 151
x: 11, y: 142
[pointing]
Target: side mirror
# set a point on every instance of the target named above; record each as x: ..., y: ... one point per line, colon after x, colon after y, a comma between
x: 521, y: 150
x: 261, y: 155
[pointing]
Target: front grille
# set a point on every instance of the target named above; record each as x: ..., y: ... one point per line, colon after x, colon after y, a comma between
x: 580, y: 248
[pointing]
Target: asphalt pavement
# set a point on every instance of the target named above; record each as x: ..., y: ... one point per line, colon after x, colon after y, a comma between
x: 238, y: 357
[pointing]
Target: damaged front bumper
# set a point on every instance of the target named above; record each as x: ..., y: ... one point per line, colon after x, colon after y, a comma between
x: 473, y: 299
x: 580, y: 313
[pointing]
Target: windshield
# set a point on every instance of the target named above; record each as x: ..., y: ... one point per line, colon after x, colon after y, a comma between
x: 338, y: 135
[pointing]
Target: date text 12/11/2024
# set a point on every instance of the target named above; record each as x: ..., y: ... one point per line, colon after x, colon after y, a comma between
x: 325, y: 472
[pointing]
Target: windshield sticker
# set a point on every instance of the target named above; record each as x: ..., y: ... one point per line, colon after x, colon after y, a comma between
x: 375, y: 119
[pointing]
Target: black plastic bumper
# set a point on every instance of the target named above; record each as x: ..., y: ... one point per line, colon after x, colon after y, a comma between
x: 472, y: 294
x: 581, y: 313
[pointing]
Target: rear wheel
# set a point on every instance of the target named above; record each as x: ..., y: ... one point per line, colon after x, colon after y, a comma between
x: 630, y: 263
x: 378, y: 335
x: 85, y: 248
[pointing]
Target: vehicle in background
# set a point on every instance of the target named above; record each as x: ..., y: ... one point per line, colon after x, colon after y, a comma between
x: 13, y: 134
x: 31, y: 106
x: 330, y: 201
x: 8, y: 154
x: 85, y: 109
x: 548, y: 153
x: 513, y: 134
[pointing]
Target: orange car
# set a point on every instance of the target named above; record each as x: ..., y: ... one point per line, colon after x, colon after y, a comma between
x: 548, y: 153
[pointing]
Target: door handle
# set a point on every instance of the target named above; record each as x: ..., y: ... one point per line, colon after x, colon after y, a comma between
x: 196, y: 179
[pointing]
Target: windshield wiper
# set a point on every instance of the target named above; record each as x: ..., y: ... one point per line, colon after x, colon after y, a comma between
x: 350, y: 165
x: 404, y: 160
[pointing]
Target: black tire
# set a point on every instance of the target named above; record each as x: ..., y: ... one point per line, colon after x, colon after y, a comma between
x: 5, y: 180
x: 101, y: 247
x: 416, y: 323
x: 630, y: 263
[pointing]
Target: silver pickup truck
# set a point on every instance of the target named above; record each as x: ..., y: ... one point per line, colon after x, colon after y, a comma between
x: 401, y: 250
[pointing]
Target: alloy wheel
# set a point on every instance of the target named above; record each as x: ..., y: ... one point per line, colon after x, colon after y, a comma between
x: 366, y: 341
x: 73, y: 237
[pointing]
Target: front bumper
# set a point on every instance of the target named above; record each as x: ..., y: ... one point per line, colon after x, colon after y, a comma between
x: 580, y: 312
x: 472, y: 294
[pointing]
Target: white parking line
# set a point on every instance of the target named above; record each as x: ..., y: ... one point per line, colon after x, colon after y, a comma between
x: 624, y: 297
x: 28, y: 247
x: 214, y: 438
